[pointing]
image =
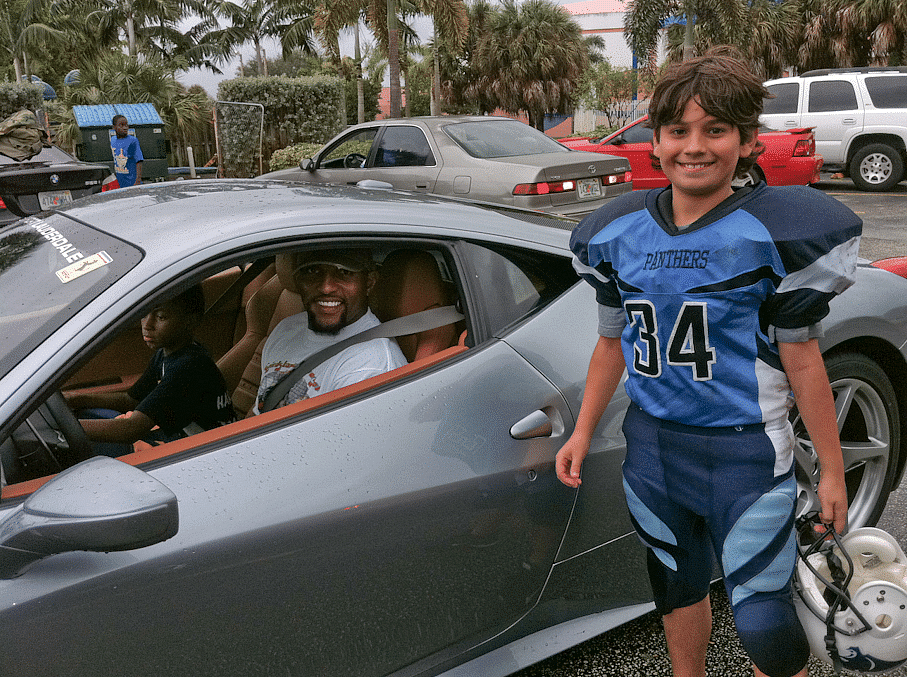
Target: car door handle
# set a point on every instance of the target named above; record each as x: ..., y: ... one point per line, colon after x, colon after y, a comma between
x: 849, y: 121
x: 537, y: 424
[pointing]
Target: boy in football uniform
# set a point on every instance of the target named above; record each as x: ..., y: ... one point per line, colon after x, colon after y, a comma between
x: 712, y: 298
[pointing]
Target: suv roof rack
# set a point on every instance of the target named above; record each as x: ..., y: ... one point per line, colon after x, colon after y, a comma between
x: 855, y: 69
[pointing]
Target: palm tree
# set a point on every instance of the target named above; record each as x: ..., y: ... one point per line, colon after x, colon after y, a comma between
x: 330, y: 19
x: 22, y: 31
x: 290, y: 21
x: 531, y: 59
x: 459, y: 69
x: 776, y: 31
x: 875, y: 29
x: 719, y: 22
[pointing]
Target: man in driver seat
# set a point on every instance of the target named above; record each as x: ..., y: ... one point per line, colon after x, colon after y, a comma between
x: 334, y: 285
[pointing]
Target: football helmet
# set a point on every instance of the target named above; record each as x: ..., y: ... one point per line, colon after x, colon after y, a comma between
x: 851, y: 598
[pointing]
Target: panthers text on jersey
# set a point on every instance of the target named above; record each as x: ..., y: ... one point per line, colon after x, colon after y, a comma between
x: 699, y: 309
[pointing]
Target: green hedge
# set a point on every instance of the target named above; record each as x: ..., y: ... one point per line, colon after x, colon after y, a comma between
x: 296, y: 110
x: 14, y: 96
x: 291, y: 156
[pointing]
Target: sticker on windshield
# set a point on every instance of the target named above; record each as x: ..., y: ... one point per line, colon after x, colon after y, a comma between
x: 86, y: 265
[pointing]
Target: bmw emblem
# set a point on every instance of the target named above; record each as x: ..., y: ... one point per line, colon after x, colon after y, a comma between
x: 55, y: 179
x: 592, y: 169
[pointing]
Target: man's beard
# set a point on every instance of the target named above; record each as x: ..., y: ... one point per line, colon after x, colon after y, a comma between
x: 327, y: 331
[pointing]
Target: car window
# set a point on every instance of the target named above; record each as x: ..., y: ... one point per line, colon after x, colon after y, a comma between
x: 888, y: 91
x: 501, y: 138
x: 831, y: 95
x: 403, y: 146
x: 787, y: 97
x: 350, y: 152
x: 638, y: 133
x: 243, y: 304
x: 52, y: 269
x: 512, y: 284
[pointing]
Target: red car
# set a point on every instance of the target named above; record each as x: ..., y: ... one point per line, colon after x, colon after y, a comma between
x: 789, y: 159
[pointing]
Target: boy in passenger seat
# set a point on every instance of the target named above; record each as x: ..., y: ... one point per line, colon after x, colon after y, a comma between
x: 182, y: 392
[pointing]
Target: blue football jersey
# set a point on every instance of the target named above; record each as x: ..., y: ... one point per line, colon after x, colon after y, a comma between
x: 702, y: 306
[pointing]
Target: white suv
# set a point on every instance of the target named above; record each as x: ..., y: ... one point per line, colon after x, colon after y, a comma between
x: 859, y: 116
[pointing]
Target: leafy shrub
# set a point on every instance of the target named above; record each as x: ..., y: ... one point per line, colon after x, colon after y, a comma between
x: 296, y: 110
x: 291, y: 156
x: 14, y: 96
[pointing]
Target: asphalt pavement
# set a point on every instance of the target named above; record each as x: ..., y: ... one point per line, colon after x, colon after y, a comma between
x: 638, y: 649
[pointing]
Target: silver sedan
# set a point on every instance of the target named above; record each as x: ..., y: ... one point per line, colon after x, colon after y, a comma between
x: 496, y: 159
x: 411, y: 524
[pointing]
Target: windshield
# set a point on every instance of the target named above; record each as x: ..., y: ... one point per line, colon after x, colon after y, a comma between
x: 501, y: 138
x: 49, y: 270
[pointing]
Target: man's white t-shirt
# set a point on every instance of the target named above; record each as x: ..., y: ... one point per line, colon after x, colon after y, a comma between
x: 292, y: 341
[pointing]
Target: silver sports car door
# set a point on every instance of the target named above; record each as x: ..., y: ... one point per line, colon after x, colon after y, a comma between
x: 398, y: 528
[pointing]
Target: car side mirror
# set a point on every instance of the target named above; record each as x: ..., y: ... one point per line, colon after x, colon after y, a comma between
x: 307, y: 164
x: 99, y: 505
x: 617, y: 141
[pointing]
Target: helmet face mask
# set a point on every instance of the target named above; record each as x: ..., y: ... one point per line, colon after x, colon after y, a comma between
x: 851, y: 598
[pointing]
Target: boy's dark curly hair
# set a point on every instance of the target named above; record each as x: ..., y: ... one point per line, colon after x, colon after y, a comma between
x: 722, y: 85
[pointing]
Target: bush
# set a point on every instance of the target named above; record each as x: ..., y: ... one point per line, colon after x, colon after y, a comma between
x: 14, y: 96
x: 291, y: 156
x: 296, y: 110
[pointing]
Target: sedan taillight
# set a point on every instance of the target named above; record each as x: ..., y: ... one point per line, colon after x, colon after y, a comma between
x: 110, y: 183
x: 546, y: 187
x: 805, y: 148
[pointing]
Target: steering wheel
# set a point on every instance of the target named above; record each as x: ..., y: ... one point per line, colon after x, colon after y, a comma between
x: 64, y: 420
x: 354, y: 161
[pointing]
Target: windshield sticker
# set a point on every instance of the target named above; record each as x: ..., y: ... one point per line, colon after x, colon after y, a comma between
x: 78, y: 269
x: 58, y: 241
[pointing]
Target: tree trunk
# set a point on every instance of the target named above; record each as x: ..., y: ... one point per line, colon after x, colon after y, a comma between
x: 17, y: 66
x: 259, y: 58
x: 435, y: 98
x: 436, y: 84
x: 360, y: 93
x: 688, y: 47
x: 130, y: 33
x: 393, y: 58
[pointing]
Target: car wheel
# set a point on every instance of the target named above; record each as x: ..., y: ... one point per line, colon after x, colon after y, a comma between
x: 876, y: 167
x: 869, y: 428
x: 751, y: 178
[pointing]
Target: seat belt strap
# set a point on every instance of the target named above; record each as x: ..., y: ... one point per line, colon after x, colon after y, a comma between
x: 401, y: 326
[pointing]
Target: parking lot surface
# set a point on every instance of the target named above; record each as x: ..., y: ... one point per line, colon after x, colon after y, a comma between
x: 638, y: 648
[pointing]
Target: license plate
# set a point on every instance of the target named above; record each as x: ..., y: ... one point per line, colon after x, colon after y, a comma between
x: 54, y: 198
x: 589, y: 188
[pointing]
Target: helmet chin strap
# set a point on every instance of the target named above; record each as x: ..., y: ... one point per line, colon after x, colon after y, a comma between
x: 841, y: 580
x: 836, y: 593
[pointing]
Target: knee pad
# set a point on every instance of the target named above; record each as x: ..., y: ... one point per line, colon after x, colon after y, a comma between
x: 771, y: 634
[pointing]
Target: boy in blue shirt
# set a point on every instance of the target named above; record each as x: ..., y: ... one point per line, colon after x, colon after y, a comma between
x: 127, y: 154
x: 712, y: 299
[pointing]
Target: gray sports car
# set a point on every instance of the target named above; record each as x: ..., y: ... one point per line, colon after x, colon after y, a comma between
x: 411, y: 524
x: 497, y: 159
